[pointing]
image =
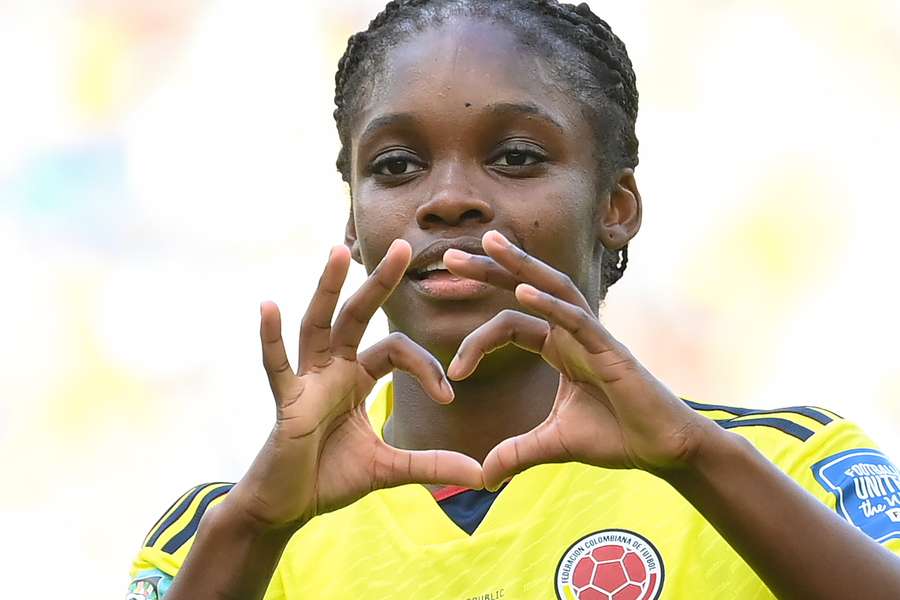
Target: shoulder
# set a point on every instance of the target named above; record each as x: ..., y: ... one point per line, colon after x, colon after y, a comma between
x: 793, y: 437
x: 832, y: 458
x: 798, y: 423
x: 168, y: 541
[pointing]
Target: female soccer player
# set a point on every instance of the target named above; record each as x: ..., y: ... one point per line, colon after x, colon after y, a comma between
x: 490, y: 150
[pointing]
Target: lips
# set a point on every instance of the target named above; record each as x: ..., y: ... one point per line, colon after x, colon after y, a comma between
x: 430, y: 277
x: 433, y: 268
x: 431, y: 258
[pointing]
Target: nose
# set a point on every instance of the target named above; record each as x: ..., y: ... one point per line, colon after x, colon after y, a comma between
x: 453, y: 202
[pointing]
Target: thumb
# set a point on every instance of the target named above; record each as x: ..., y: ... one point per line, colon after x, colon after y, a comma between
x: 513, y: 455
x: 401, y: 467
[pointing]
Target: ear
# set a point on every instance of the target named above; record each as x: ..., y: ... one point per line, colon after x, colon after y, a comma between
x: 618, y: 216
x: 350, y: 239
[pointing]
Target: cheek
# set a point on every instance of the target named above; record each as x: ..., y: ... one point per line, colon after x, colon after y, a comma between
x: 561, y: 233
x: 376, y: 228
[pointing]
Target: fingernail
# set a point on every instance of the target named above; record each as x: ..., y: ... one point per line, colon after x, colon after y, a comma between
x: 500, y: 238
x: 451, y: 368
x: 454, y: 253
x: 528, y: 290
x: 448, y: 388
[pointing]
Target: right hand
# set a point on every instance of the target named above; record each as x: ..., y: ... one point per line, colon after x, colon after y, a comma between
x: 322, y: 453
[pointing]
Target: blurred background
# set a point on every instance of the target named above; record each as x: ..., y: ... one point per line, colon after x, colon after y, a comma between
x: 165, y: 165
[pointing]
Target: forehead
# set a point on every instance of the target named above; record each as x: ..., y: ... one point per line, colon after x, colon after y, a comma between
x: 465, y: 62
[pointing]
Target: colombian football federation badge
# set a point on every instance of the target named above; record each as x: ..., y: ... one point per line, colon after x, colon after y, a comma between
x: 613, y: 564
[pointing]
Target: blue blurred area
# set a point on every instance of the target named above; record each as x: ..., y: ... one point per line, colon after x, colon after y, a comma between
x: 78, y: 194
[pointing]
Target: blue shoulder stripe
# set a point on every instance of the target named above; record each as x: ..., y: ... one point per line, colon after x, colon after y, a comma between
x: 734, y: 410
x: 182, y: 508
x: 806, y: 411
x: 190, y: 529
x: 163, y: 516
x: 784, y: 425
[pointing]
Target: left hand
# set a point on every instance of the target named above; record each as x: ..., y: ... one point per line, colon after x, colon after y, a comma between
x: 609, y: 410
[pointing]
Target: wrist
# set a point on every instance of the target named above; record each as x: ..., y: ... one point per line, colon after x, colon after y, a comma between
x: 715, y: 450
x: 241, y: 520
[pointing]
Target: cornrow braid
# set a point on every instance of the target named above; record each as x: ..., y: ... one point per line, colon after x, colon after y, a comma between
x: 348, y: 64
x: 603, y: 79
x: 604, y: 45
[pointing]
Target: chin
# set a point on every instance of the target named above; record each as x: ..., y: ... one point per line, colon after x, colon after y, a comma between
x: 441, y: 337
x: 441, y: 326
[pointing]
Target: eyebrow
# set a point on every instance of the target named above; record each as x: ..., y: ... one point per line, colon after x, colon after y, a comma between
x: 387, y: 121
x: 498, y: 109
x: 514, y: 108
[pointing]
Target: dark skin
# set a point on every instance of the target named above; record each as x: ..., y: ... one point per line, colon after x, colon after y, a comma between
x: 454, y: 138
x: 454, y: 135
x: 529, y: 349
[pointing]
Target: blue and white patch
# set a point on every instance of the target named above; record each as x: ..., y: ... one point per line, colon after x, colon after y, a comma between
x: 149, y: 585
x: 867, y: 488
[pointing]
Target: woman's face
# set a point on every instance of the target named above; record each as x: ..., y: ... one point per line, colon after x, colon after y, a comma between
x: 465, y: 131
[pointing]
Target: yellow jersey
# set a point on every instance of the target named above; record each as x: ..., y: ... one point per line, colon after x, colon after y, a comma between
x: 564, y: 531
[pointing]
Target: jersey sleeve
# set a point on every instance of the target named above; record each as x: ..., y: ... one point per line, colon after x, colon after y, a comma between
x: 169, y: 541
x: 151, y: 584
x: 831, y: 457
x: 843, y: 467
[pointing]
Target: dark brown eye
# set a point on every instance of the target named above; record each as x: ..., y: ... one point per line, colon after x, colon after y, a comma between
x: 397, y: 166
x: 394, y: 166
x: 516, y: 158
x: 519, y: 157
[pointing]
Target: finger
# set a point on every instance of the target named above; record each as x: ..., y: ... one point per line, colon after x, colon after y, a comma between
x: 582, y: 324
x: 539, y: 446
x: 398, y: 352
x: 401, y: 467
x: 275, y: 360
x: 507, y: 327
x: 356, y: 313
x: 480, y: 268
x: 528, y: 269
x: 315, y: 328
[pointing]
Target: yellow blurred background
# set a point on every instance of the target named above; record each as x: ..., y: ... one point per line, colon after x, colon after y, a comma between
x: 165, y: 165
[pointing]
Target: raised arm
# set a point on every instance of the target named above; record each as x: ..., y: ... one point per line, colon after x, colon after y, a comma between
x: 611, y: 412
x: 322, y: 453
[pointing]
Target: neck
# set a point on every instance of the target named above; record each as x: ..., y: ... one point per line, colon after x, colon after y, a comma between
x: 511, y: 392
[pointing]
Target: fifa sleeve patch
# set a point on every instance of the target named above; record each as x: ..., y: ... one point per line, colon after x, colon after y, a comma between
x: 867, y: 488
x: 149, y: 585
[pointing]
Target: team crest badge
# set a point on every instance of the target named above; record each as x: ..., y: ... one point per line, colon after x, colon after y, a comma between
x: 613, y: 564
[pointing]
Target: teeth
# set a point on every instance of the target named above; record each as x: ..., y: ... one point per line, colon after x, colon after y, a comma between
x: 437, y: 265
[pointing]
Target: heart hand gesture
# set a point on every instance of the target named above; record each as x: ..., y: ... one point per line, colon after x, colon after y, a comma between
x: 609, y: 410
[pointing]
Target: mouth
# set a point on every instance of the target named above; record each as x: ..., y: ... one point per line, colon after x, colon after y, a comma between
x: 435, y: 268
x: 441, y: 284
x: 430, y: 276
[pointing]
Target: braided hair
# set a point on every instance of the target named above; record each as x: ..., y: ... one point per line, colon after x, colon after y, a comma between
x: 577, y: 44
